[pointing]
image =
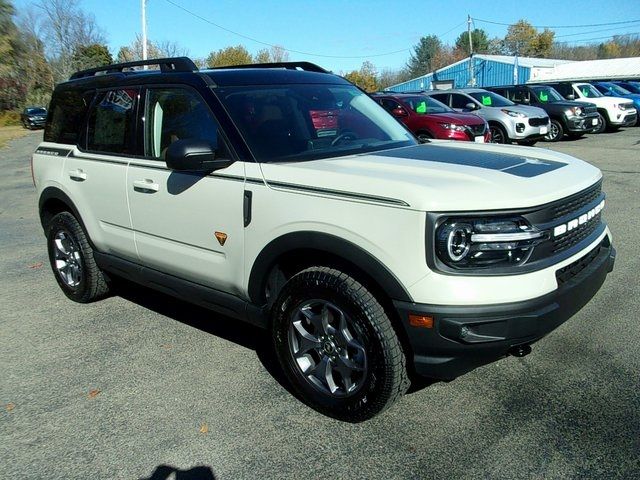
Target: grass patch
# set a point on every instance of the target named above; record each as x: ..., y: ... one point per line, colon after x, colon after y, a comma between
x: 9, y: 133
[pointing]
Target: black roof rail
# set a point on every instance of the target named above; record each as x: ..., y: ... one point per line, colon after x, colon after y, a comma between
x: 175, y: 64
x: 306, y: 66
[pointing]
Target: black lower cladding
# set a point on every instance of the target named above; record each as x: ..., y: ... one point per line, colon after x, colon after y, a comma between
x: 466, y: 337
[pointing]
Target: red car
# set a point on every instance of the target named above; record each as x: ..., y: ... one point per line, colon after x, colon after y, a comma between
x: 428, y: 118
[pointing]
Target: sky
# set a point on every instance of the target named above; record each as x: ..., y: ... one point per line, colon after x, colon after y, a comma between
x: 382, y: 32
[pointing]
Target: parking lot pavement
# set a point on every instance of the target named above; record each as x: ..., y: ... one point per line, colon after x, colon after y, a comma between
x: 142, y: 384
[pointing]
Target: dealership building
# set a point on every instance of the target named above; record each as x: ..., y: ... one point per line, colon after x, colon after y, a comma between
x: 492, y: 70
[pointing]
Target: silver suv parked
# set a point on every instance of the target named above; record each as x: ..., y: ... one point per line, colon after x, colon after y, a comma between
x: 508, y: 121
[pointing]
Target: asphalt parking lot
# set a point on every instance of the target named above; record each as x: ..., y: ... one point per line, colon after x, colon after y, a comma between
x: 144, y: 386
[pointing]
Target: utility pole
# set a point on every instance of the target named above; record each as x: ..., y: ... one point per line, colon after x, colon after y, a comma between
x: 471, y: 74
x: 144, y: 31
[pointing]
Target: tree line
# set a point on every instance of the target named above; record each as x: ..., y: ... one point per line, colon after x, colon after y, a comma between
x: 50, y: 39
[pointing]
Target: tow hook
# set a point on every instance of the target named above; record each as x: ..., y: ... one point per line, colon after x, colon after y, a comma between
x: 520, y: 350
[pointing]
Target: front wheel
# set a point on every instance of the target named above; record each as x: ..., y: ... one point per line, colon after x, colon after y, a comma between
x: 337, y: 346
x: 72, y: 262
x: 556, y: 132
x: 602, y: 124
x: 498, y: 134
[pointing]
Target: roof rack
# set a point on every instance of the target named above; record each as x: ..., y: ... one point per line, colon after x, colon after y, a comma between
x: 175, y: 64
x: 306, y: 66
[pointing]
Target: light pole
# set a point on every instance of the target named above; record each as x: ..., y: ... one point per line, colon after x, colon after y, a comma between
x: 144, y: 30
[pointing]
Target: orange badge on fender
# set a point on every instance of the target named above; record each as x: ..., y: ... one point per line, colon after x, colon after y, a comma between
x: 222, y: 237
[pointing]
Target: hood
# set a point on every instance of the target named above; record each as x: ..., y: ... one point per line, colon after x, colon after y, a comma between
x: 528, y: 110
x: 607, y: 101
x: 441, y: 176
x: 458, y: 118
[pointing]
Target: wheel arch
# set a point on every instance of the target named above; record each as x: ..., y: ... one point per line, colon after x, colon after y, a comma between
x: 307, y: 248
x: 53, y: 201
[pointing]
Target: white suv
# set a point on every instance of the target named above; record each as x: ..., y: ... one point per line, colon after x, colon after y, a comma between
x: 284, y: 196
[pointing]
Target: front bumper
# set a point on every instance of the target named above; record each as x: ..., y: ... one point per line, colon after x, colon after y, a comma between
x: 581, y: 124
x: 625, y: 119
x: 465, y: 337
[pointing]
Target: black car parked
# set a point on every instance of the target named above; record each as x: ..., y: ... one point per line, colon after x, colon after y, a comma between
x: 33, y: 117
x: 567, y: 117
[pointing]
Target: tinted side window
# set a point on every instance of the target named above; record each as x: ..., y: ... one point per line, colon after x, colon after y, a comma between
x: 442, y: 97
x: 111, y: 121
x: 390, y: 104
x: 459, y: 101
x: 177, y: 114
x: 66, y: 117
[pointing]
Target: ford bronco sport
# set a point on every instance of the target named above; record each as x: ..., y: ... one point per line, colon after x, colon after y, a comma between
x: 282, y: 195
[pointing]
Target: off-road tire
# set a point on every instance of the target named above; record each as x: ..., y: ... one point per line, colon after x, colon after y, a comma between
x: 93, y: 284
x: 386, y: 379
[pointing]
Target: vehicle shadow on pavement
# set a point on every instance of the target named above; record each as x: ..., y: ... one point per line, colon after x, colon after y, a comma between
x: 236, y: 331
x: 166, y: 472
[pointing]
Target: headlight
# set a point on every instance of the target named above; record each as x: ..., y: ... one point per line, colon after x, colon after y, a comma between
x: 452, y: 126
x: 513, y: 113
x: 574, y: 111
x: 477, y: 243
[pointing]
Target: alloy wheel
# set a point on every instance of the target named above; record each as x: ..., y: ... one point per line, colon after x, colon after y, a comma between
x: 326, y: 348
x: 67, y: 256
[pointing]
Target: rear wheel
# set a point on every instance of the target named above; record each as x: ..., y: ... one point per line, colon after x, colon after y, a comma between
x: 498, y: 134
x: 337, y: 345
x: 556, y: 132
x: 72, y: 262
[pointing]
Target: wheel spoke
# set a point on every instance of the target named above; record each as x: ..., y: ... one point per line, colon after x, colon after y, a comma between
x: 306, y: 341
x: 324, y: 374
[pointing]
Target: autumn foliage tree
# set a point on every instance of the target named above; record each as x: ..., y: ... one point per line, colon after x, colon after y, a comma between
x: 366, y: 78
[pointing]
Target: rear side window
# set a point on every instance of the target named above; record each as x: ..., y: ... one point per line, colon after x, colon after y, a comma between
x: 66, y: 117
x: 459, y: 101
x: 110, y: 127
x: 442, y: 97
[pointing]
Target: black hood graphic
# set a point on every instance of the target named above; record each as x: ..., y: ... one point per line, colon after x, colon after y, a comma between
x: 519, y: 165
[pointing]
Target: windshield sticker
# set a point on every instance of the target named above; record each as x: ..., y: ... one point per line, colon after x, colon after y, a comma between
x: 421, y: 107
x: 544, y: 96
x: 517, y: 165
x: 486, y: 100
x: 585, y: 92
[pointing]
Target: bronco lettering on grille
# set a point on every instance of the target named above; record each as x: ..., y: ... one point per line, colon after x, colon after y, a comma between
x: 582, y: 219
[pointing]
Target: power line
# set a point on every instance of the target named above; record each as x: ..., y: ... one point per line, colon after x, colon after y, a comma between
x: 206, y: 20
x: 591, y: 31
x: 584, y: 40
x: 561, y: 26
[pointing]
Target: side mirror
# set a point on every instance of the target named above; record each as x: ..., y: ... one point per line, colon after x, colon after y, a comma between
x: 194, y: 155
x: 471, y: 106
x: 399, y: 112
x: 571, y: 96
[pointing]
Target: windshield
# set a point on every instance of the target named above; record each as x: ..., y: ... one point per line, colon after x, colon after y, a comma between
x: 424, y: 105
x: 490, y: 99
x: 36, y: 111
x: 612, y: 87
x: 633, y: 87
x: 588, y: 90
x: 547, y: 94
x: 303, y: 122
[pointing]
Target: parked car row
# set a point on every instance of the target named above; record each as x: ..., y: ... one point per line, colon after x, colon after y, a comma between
x: 522, y: 114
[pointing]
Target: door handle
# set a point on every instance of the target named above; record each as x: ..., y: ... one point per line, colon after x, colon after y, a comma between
x: 145, y: 186
x: 77, y: 175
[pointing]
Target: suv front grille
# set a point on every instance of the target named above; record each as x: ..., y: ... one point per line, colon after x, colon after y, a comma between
x: 538, y: 121
x: 566, y: 273
x: 576, y: 235
x: 576, y: 202
x: 589, y: 109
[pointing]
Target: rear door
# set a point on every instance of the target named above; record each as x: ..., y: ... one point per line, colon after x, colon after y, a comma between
x: 187, y: 224
x: 95, y: 171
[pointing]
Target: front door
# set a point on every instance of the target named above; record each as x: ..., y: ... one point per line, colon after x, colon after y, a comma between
x: 189, y: 225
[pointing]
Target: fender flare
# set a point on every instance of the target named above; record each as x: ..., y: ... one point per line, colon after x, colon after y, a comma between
x: 326, y: 243
x: 54, y: 193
